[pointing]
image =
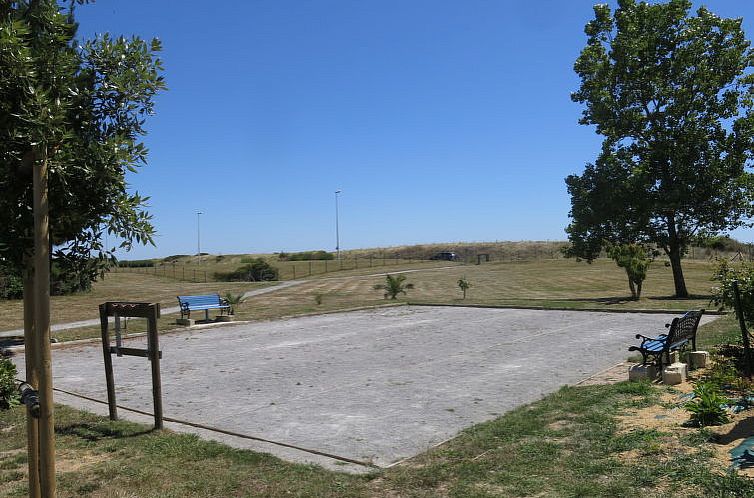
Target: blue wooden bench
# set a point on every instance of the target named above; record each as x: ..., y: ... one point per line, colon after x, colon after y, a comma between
x: 682, y: 330
x: 205, y: 303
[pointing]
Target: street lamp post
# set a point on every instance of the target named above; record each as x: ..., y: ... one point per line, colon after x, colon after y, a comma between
x: 198, y: 236
x: 337, y: 226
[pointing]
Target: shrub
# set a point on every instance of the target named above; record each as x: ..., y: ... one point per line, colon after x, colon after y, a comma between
x: 464, y: 285
x: 234, y: 300
x: 11, y: 286
x: 306, y: 256
x: 8, y: 392
x: 393, y: 286
x: 137, y: 263
x: 256, y: 270
x: 722, y: 295
x: 708, y: 405
x: 175, y: 257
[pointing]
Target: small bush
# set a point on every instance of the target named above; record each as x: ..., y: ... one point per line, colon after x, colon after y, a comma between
x: 175, y: 257
x: 11, y: 286
x: 137, y: 263
x: 257, y: 270
x: 306, y: 256
x: 708, y: 405
x: 8, y: 392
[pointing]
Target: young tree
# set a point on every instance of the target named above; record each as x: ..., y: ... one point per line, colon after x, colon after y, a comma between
x: 633, y: 258
x: 71, y: 117
x: 672, y: 95
x: 394, y: 285
x: 464, y: 285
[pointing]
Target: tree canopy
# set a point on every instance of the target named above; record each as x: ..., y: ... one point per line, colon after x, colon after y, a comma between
x: 81, y: 107
x: 671, y: 93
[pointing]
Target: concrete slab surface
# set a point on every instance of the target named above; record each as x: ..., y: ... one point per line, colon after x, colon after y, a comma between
x: 376, y: 386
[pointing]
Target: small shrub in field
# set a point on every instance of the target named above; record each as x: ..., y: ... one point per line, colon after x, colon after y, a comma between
x: 8, y: 393
x: 708, y: 405
x: 137, y: 263
x: 318, y: 298
x: 256, y: 270
x: 234, y: 300
x: 464, y: 285
x: 394, y: 285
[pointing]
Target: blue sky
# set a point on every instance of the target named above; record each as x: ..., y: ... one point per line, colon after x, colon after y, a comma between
x: 439, y: 120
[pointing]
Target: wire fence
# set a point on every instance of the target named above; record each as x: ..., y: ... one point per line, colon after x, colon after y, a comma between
x: 292, y: 270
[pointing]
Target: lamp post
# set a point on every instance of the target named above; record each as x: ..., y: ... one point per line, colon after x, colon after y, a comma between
x: 337, y: 226
x: 198, y: 236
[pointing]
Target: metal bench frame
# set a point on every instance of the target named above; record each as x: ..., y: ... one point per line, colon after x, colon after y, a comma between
x: 682, y: 330
x: 202, y: 302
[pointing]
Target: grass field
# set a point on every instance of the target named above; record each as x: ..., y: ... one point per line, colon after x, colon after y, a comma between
x: 554, y: 283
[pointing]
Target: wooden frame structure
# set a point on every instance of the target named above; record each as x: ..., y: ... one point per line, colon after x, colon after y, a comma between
x: 118, y: 310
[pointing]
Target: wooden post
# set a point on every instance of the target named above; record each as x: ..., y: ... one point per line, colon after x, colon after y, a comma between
x: 109, y: 377
x: 42, y: 330
x: 153, y: 350
x: 30, y: 352
x: 744, y: 331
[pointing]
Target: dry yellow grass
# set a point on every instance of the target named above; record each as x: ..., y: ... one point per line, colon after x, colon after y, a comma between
x: 118, y: 287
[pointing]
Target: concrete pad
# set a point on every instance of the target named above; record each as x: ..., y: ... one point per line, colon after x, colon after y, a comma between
x: 698, y: 359
x: 375, y: 386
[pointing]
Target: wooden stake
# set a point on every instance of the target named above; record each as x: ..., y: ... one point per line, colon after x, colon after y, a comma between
x: 42, y: 330
x: 109, y: 377
x: 30, y: 353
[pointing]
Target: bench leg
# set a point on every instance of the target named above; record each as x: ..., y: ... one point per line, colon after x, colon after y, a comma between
x: 206, y: 315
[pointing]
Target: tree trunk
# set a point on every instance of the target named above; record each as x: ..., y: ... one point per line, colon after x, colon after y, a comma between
x: 674, y: 253
x: 631, y: 285
x: 638, y: 290
x: 675, y: 264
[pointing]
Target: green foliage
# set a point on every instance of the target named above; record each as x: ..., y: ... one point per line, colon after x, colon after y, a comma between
x: 318, y: 297
x: 78, y: 106
x: 11, y: 284
x: 671, y: 93
x: 256, y: 270
x: 464, y: 285
x: 722, y: 243
x: 722, y: 294
x: 8, y: 391
x: 634, y: 259
x: 136, y: 263
x: 394, y: 285
x: 234, y: 300
x: 306, y: 256
x: 708, y: 405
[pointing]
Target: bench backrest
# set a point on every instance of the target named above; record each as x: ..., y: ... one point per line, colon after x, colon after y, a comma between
x: 204, y: 300
x: 683, y: 329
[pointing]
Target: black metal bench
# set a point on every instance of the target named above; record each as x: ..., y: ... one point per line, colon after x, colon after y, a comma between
x: 682, y: 330
x: 204, y: 302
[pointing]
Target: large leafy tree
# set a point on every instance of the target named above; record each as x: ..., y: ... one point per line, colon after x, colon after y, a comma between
x: 671, y: 93
x: 80, y: 107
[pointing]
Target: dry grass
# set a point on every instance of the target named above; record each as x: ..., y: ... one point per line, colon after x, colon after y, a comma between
x: 118, y: 287
x: 547, y: 283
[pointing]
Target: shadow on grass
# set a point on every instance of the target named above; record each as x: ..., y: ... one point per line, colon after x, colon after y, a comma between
x: 691, y: 297
x: 97, y: 432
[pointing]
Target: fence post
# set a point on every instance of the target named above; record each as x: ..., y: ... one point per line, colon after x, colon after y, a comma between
x: 184, y: 272
x: 294, y: 272
x: 370, y: 261
x: 194, y: 279
x: 205, y: 276
x: 310, y: 267
x: 325, y: 266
